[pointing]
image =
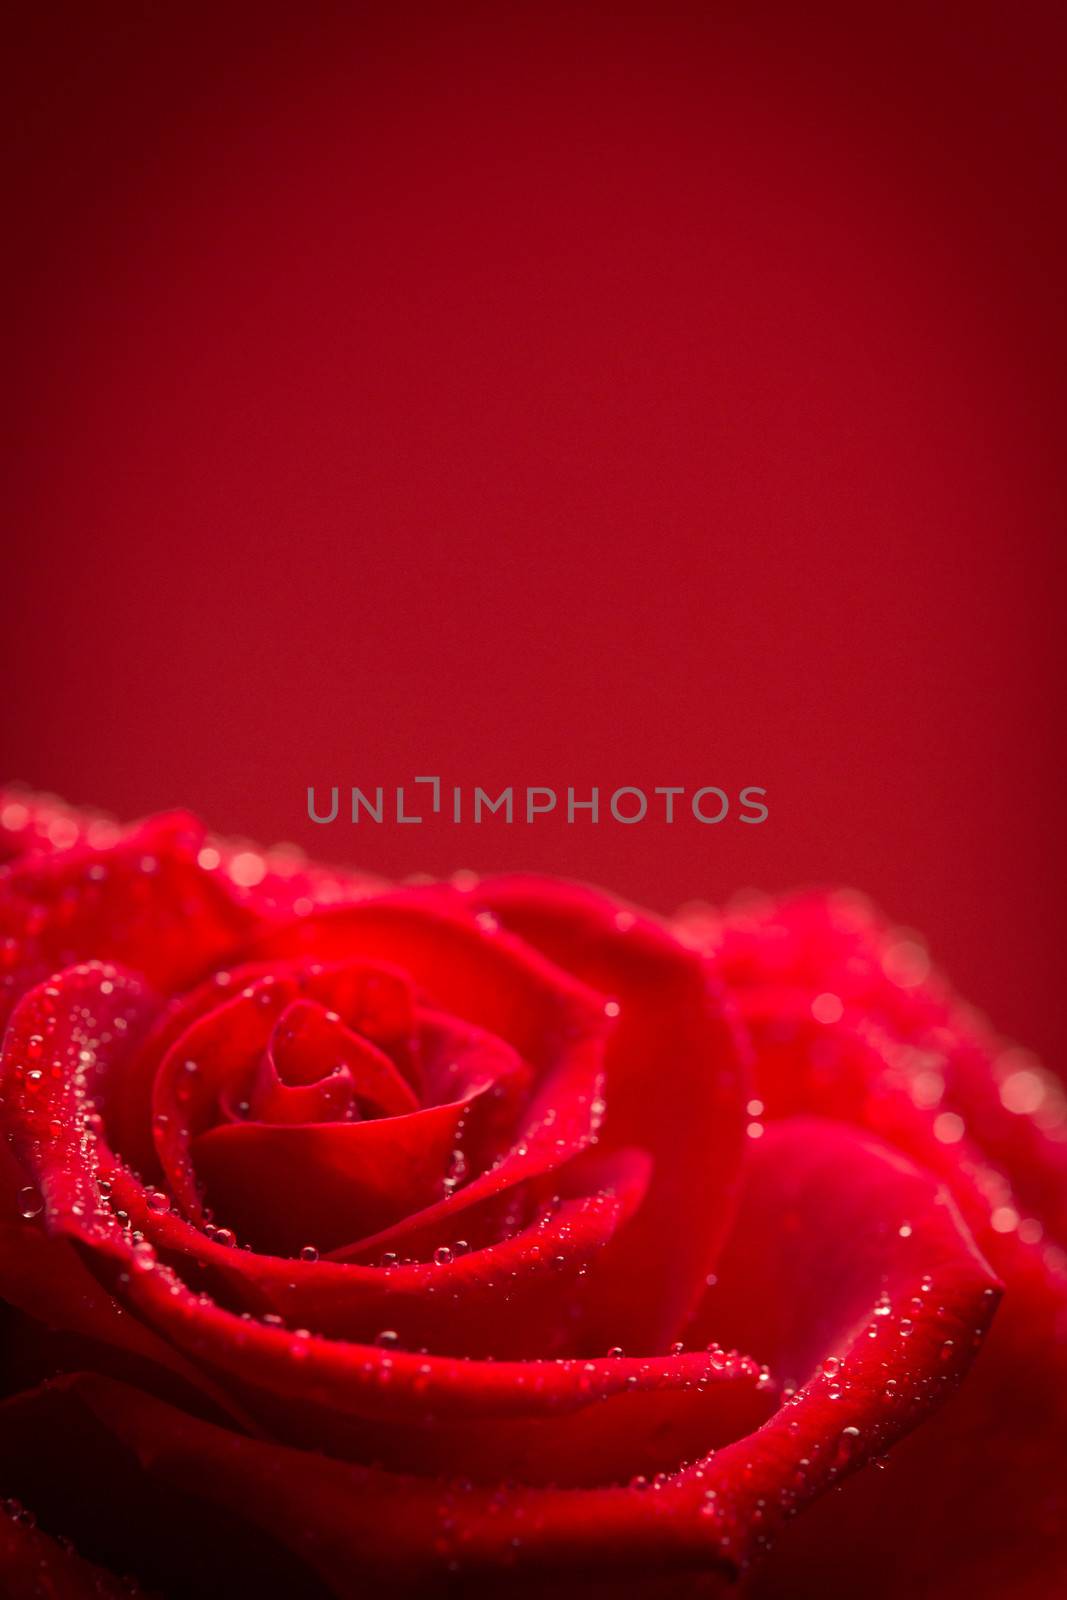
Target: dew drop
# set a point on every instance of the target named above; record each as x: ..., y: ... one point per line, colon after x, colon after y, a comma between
x: 309, y: 1253
x: 30, y: 1203
x: 144, y: 1257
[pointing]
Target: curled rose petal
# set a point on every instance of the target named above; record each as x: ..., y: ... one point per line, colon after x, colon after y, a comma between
x: 513, y: 1298
x: 676, y: 1084
x: 309, y: 1048
x: 334, y: 1182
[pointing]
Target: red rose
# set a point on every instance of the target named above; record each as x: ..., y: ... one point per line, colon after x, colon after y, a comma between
x: 496, y: 1237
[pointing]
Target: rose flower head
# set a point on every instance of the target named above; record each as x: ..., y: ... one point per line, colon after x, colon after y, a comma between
x: 495, y: 1237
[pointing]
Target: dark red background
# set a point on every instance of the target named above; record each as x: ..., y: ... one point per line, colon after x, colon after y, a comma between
x: 555, y: 395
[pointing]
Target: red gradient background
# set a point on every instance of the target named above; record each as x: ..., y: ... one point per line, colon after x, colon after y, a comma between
x: 563, y: 394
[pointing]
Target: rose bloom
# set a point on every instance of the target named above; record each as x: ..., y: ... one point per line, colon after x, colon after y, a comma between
x: 498, y: 1238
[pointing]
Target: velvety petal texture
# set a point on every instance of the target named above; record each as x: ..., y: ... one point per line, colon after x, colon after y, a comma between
x: 497, y: 1237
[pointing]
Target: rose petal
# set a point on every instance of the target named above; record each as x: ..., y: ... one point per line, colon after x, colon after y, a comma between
x: 40, y: 1273
x: 676, y: 1085
x: 82, y: 1476
x: 515, y: 1298
x: 354, y: 1527
x: 308, y: 1047
x: 785, y: 957
x: 906, y: 1059
x: 854, y: 1276
x: 131, y: 902
x: 973, y: 1506
x: 280, y: 1188
x: 32, y: 1563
